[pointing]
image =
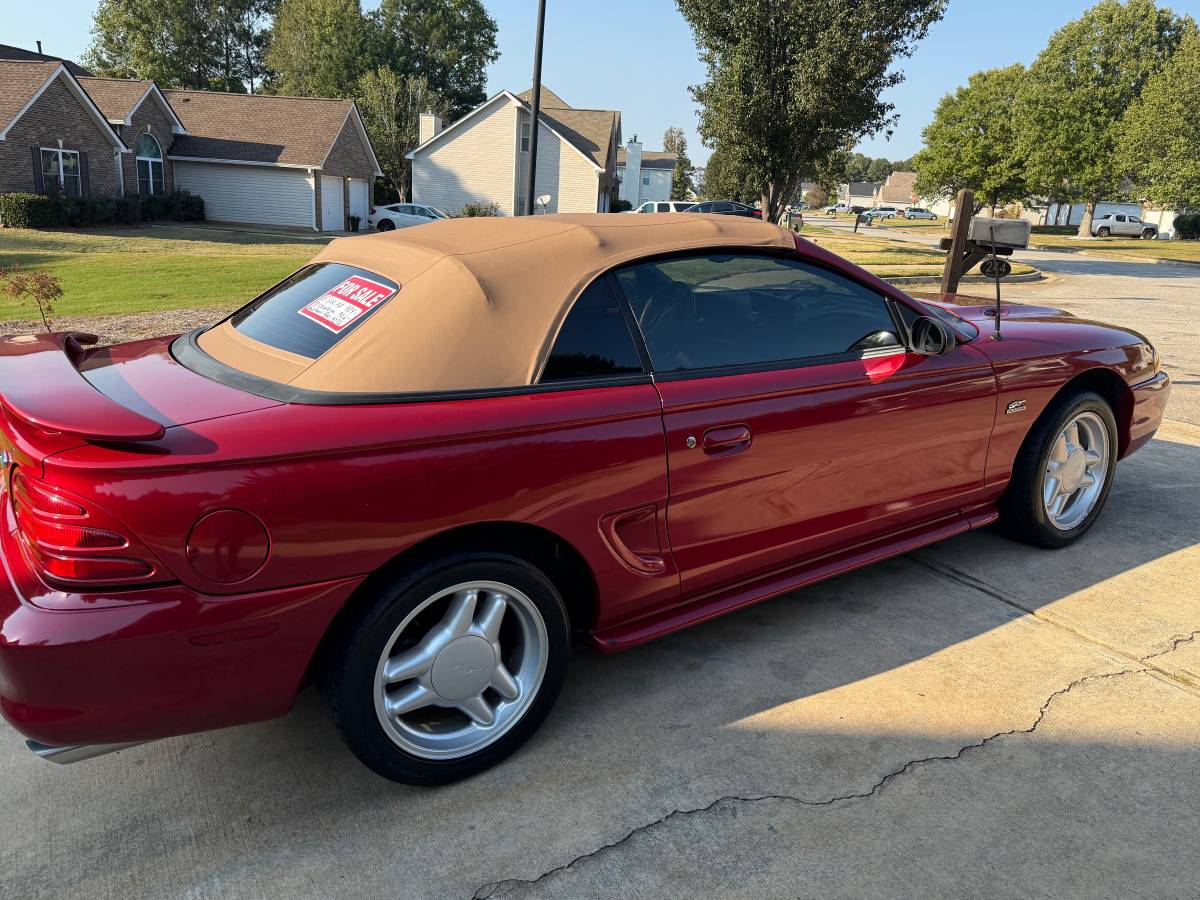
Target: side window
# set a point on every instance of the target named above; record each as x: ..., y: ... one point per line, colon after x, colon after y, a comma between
x: 709, y: 311
x: 1120, y: 218
x: 664, y: 207
x: 594, y: 340
x: 646, y: 208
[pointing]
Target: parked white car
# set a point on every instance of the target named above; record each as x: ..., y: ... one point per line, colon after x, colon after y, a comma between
x: 836, y: 208
x: 663, y: 206
x: 917, y: 212
x: 403, y: 215
x: 1120, y: 223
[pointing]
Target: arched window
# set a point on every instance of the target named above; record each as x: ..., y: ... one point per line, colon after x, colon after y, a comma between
x: 149, y: 165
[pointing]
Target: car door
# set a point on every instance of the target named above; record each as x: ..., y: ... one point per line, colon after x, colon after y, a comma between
x: 796, y: 421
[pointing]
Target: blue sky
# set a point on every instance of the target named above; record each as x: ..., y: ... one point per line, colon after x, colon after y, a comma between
x: 638, y: 56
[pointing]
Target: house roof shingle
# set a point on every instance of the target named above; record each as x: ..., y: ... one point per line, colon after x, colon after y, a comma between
x: 899, y: 187
x: 651, y: 159
x: 295, y: 131
x: 19, y: 54
x: 115, y: 97
x: 19, y: 81
x: 589, y: 130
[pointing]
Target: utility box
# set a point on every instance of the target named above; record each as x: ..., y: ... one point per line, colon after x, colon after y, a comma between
x: 1011, y: 233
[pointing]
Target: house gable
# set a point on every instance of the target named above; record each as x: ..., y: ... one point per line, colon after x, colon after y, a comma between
x: 478, y: 163
x: 351, y: 152
x: 59, y: 82
x: 57, y: 117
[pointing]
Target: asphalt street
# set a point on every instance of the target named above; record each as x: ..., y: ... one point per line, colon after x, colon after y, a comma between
x: 979, y: 718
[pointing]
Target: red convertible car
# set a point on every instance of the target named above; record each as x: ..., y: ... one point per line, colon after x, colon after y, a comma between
x: 410, y: 471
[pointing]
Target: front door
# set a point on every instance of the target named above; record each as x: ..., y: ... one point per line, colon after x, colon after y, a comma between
x: 796, y: 421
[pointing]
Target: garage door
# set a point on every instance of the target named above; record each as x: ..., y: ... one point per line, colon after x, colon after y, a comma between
x: 332, y: 217
x: 256, y: 194
x: 360, y: 199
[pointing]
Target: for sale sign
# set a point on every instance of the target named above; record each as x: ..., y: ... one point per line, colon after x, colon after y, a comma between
x: 341, y: 306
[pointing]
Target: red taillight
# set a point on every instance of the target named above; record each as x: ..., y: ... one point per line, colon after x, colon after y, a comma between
x: 42, y: 500
x: 757, y: 213
x: 71, y: 544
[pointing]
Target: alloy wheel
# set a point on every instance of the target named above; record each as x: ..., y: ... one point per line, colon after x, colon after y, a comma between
x: 1076, y: 471
x: 461, y: 669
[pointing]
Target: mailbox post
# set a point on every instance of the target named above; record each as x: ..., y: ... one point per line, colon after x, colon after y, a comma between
x: 979, y: 239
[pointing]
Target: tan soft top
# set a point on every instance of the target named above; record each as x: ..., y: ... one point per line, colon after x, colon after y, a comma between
x: 481, y: 299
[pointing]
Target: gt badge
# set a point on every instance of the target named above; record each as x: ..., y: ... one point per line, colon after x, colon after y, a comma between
x: 1015, y: 407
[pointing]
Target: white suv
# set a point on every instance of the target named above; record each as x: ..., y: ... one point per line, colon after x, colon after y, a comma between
x: 1121, y: 223
x: 663, y: 206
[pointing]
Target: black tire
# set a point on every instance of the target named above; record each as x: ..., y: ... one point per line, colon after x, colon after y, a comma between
x: 1023, y: 514
x: 1103, y: 232
x: 386, y: 225
x: 349, y: 678
x: 1149, y: 234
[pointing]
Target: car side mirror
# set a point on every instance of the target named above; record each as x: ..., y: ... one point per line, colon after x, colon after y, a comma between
x: 929, y: 337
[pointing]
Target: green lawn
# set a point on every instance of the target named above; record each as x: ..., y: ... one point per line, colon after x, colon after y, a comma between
x: 106, y: 271
x: 1187, y: 251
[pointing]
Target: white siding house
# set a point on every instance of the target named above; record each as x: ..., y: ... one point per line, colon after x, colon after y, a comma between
x: 484, y: 157
x: 644, y: 174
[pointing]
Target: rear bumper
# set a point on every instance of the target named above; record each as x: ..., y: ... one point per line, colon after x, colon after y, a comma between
x: 1149, y: 406
x: 145, y: 664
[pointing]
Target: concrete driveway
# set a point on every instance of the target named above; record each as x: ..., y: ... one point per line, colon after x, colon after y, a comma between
x: 978, y: 718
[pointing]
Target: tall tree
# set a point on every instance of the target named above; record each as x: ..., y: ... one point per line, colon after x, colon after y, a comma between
x: 1078, y: 90
x: 391, y: 106
x: 449, y: 43
x: 198, y: 44
x: 1159, y: 149
x: 857, y: 167
x: 681, y: 182
x: 972, y: 142
x: 317, y: 48
x: 879, y: 169
x: 726, y: 178
x: 784, y: 90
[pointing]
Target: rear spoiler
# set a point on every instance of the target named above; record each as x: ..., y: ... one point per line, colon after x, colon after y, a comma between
x: 40, y: 384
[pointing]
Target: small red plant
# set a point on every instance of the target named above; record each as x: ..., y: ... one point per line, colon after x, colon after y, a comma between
x: 39, y: 286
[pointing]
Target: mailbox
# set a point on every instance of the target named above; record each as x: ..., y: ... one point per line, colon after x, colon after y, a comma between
x: 1011, y: 233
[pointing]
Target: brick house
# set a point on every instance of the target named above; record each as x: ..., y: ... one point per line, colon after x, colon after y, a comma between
x: 291, y: 161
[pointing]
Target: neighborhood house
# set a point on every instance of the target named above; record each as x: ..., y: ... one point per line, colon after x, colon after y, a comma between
x: 484, y: 156
x: 288, y: 161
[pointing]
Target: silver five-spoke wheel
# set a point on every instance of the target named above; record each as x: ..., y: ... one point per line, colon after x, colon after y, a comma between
x: 461, y: 669
x: 1076, y: 470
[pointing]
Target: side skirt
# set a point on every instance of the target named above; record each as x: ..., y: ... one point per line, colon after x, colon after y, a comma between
x: 622, y: 637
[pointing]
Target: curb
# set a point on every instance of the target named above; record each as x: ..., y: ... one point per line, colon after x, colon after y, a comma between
x: 1027, y: 278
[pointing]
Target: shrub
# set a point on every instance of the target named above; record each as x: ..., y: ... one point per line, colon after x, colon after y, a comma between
x: 39, y: 286
x: 475, y: 208
x: 618, y: 206
x: 127, y: 210
x: 189, y: 207
x: 1187, y: 226
x: 29, y: 211
x: 154, y: 206
x: 1056, y: 229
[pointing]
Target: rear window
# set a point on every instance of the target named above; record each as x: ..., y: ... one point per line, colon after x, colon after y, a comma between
x: 311, y: 311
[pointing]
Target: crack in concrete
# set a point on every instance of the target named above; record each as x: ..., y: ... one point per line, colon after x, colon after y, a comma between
x: 502, y: 888
x: 1176, y: 643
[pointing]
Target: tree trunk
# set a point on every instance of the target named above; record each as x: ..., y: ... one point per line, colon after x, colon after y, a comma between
x: 1085, y: 224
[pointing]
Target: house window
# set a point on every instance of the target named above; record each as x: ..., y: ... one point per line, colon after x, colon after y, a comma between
x: 60, y: 171
x: 149, y: 165
x: 524, y: 137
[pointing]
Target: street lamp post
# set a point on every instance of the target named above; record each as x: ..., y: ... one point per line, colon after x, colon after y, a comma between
x: 536, y: 103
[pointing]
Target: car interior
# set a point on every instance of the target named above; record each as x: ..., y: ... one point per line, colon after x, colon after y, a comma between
x: 703, y: 312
